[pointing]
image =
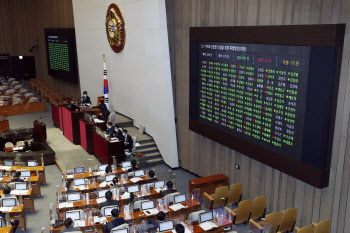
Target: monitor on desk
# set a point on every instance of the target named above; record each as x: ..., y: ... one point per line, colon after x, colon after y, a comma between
x: 108, y: 210
x: 133, y: 189
x: 32, y: 163
x: 109, y: 178
x: 74, y: 215
x: 147, y: 205
x: 1, y: 174
x: 79, y: 170
x: 126, y: 164
x: 76, y: 196
x: 166, y: 226
x: 102, y: 167
x: 79, y: 181
x: 21, y: 186
x: 8, y: 202
x: 139, y: 173
x: 179, y: 198
x: 159, y: 184
x: 8, y: 163
x: 25, y: 173
x: 125, y: 230
x: 207, y: 216
x: 102, y: 193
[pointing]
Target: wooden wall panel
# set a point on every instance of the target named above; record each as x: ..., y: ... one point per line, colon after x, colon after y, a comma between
x: 205, y: 157
x: 23, y: 23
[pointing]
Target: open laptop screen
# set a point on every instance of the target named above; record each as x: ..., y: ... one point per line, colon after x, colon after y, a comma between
x: 133, y: 189
x: 147, y: 205
x: 139, y: 173
x: 8, y: 163
x: 31, y: 163
x: 25, y: 173
x: 207, y: 216
x: 79, y: 181
x: 74, y: 215
x: 126, y: 164
x: 166, y: 226
x: 73, y: 196
x: 179, y: 198
x: 21, y: 186
x: 8, y: 202
x: 79, y: 170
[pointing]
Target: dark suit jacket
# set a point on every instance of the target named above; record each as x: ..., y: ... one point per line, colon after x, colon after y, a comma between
x: 129, y: 141
x: 108, y: 203
x: 110, y: 225
x: 166, y: 192
x: 17, y: 180
x: 110, y: 131
x: 104, y: 109
x: 119, y: 134
x: 86, y: 100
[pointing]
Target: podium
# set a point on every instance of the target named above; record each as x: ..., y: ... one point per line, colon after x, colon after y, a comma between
x: 104, y: 150
x: 39, y: 132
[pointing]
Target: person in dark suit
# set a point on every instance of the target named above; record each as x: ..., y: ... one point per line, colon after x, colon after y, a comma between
x: 152, y: 177
x: 26, y: 147
x: 69, y: 224
x: 116, y: 222
x: 104, y: 110
x: 110, y: 129
x: 128, y: 142
x: 16, y: 177
x: 118, y: 133
x: 169, y: 190
x: 109, y: 200
x: 160, y: 217
x: 134, y: 166
x: 85, y: 99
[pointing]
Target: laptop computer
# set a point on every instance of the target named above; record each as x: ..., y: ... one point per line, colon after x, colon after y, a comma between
x: 109, y: 178
x: 8, y: 163
x: 159, y: 184
x: 21, y: 186
x: 76, y: 196
x: 179, y: 198
x: 25, y: 173
x: 8, y: 202
x: 74, y: 215
x: 102, y: 193
x: 147, y: 205
x: 79, y: 170
x: 108, y: 210
x: 126, y: 164
x: 31, y: 163
x: 166, y: 226
x: 139, y: 173
x: 133, y: 189
x: 207, y: 216
x: 79, y: 181
x: 125, y: 230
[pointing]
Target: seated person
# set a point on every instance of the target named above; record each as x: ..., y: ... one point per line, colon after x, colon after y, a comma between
x: 179, y: 228
x: 116, y: 186
x: 134, y: 166
x: 110, y: 129
x: 69, y: 224
x: 160, y: 217
x: 128, y: 142
x: 108, y: 169
x: 118, y: 133
x: 14, y: 223
x: 16, y: 177
x: 85, y: 99
x: 116, y: 222
x: 27, y: 147
x: 109, y: 200
x: 7, y: 192
x: 152, y: 175
x: 169, y: 190
x: 69, y: 186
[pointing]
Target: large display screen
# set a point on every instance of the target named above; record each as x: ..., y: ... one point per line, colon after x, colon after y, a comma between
x: 61, y: 54
x: 272, y: 102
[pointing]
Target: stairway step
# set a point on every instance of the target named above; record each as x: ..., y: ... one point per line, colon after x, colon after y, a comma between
x: 153, y: 162
x: 146, y: 141
x: 153, y: 155
x: 145, y: 145
x: 148, y: 150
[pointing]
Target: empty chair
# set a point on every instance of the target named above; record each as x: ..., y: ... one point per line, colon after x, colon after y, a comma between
x: 235, y: 194
x: 112, y: 117
x: 216, y: 200
x: 288, y: 220
x: 20, y: 143
x: 194, y: 216
x: 242, y: 213
x: 8, y: 145
x: 259, y: 207
x: 275, y: 220
x: 123, y: 226
x: 322, y: 227
x: 133, y: 143
x: 307, y: 229
x: 170, y: 197
x: 103, y: 209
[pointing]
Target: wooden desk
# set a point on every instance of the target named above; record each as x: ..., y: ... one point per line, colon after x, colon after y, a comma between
x: 27, y: 199
x: 34, y: 182
x: 190, y: 206
x: 25, y: 108
x: 208, y: 184
x: 6, y: 229
x: 20, y: 215
x: 41, y: 170
x: 105, y: 150
x: 90, y: 175
x: 4, y: 125
x: 86, y: 134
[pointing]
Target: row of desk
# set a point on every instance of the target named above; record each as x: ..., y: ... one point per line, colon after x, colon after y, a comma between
x: 79, y: 130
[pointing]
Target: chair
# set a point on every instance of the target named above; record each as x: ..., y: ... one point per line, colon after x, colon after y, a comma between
x: 288, y: 220
x: 137, y: 204
x: 259, y: 207
x: 170, y: 197
x: 322, y: 227
x: 8, y: 145
x: 123, y: 226
x: 131, y: 174
x: 242, y: 213
x: 307, y: 229
x: 103, y: 209
x: 216, y: 200
x: 20, y: 143
x: 133, y: 143
x: 275, y: 220
x: 194, y: 216
x: 112, y: 117
x: 235, y: 194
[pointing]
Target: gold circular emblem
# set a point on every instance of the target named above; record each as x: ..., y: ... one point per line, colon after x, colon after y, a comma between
x: 115, y: 28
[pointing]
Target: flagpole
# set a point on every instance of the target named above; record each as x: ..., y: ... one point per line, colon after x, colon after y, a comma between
x: 105, y: 82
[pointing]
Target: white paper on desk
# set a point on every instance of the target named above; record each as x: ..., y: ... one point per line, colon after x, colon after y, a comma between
x: 1, y: 179
x: 176, y: 207
x: 79, y: 223
x: 6, y: 209
x: 70, y: 176
x: 96, y: 120
x: 125, y: 168
x: 7, y: 168
x: 19, y: 192
x: 82, y: 187
x: 126, y: 195
x: 207, y: 225
x: 159, y: 189
x: 103, y: 184
x: 100, y: 200
x: 100, y: 220
x: 65, y: 205
x: 135, y: 179
x: 153, y: 211
x: 186, y: 230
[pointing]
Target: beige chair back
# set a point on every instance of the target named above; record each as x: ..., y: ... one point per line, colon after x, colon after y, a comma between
x: 323, y: 227
x: 307, y: 229
x: 288, y: 219
x: 274, y: 219
x: 123, y: 226
x: 259, y: 207
x: 244, y: 211
x: 220, y: 196
x: 8, y: 144
x: 235, y: 194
